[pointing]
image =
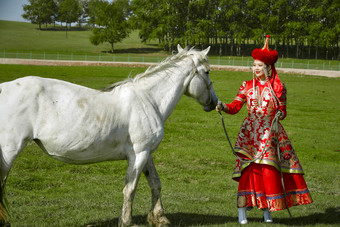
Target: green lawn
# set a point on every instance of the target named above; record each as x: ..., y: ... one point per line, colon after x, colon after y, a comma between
x: 194, y: 161
x: 25, y: 37
x: 24, y: 40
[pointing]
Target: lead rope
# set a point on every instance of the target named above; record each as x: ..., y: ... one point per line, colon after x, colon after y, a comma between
x: 274, y: 127
x: 232, y: 148
x: 276, y: 123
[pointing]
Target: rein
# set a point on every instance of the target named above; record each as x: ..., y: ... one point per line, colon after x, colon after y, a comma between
x: 207, y: 83
x: 274, y: 127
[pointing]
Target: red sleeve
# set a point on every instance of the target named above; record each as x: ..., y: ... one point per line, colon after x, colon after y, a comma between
x: 235, y: 106
x: 283, y: 101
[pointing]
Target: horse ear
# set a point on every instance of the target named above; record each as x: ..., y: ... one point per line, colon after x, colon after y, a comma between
x: 206, y: 51
x: 179, y: 48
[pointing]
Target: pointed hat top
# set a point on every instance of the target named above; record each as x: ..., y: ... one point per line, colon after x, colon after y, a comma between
x: 265, y: 47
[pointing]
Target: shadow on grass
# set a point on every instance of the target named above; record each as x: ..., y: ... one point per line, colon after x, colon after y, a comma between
x: 330, y: 216
x: 58, y: 29
x: 176, y: 219
x: 143, y: 50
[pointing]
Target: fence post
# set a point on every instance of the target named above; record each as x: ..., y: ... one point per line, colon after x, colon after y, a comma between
x: 85, y: 57
x: 4, y: 53
x: 44, y: 55
x: 323, y: 66
x: 31, y: 55
x: 17, y: 56
x: 308, y: 65
x: 114, y: 58
x: 100, y: 57
x: 293, y: 64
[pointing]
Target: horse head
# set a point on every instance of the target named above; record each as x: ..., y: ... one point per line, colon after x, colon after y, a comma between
x: 200, y: 86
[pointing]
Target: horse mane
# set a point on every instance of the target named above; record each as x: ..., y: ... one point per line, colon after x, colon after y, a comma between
x: 166, y: 64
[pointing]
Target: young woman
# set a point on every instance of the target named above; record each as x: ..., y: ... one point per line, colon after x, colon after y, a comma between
x: 260, y: 181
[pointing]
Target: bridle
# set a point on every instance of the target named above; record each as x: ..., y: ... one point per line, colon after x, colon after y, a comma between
x: 207, y: 83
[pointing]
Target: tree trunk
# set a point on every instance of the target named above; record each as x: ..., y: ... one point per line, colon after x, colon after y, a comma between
x: 231, y: 46
x: 220, y: 47
x: 297, y: 47
x: 316, y: 52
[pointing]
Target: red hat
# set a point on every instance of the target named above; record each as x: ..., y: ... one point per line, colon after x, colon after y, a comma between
x: 265, y: 54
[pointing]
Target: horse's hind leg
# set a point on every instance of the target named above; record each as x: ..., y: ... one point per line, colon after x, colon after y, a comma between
x: 156, y: 216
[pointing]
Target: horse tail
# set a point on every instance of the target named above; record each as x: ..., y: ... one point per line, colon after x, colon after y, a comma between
x: 3, y: 207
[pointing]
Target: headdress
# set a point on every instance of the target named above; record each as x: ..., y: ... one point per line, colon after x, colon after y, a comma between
x: 269, y: 57
x: 265, y: 54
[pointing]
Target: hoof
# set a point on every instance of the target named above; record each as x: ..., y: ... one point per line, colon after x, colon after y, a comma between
x: 158, y: 221
x: 243, y: 222
x: 122, y: 224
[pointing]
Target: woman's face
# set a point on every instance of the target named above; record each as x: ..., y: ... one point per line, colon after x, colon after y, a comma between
x: 259, y: 68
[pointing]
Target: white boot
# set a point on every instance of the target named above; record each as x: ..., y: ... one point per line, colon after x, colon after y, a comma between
x: 242, y: 217
x: 267, y: 216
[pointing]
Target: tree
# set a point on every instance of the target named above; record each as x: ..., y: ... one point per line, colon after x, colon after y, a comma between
x: 84, y: 11
x: 69, y: 11
x: 201, y: 22
x: 188, y: 22
x: 158, y: 19
x: 148, y: 20
x: 91, y: 11
x: 39, y: 11
x: 329, y: 19
x: 111, y: 21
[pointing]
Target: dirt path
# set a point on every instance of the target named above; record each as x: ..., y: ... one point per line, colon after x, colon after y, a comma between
x: 327, y: 73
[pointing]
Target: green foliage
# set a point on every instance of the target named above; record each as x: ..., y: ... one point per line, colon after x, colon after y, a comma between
x: 69, y: 11
x: 111, y: 22
x: 51, y: 11
x: 202, y: 23
x: 194, y: 161
x: 310, y: 23
x: 24, y: 37
x: 40, y: 11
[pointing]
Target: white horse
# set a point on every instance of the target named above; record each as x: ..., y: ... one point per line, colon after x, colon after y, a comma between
x: 79, y: 125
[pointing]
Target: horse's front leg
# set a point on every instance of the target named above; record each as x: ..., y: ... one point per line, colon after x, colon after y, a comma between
x: 156, y: 216
x: 135, y: 165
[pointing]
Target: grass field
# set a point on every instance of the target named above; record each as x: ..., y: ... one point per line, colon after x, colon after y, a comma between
x: 24, y: 40
x: 194, y: 161
x: 26, y: 37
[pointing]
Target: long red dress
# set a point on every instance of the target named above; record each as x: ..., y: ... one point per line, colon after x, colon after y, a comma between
x: 260, y: 182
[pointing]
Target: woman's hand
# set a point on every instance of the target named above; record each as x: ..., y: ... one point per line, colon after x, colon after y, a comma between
x: 220, y: 106
x: 280, y: 114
